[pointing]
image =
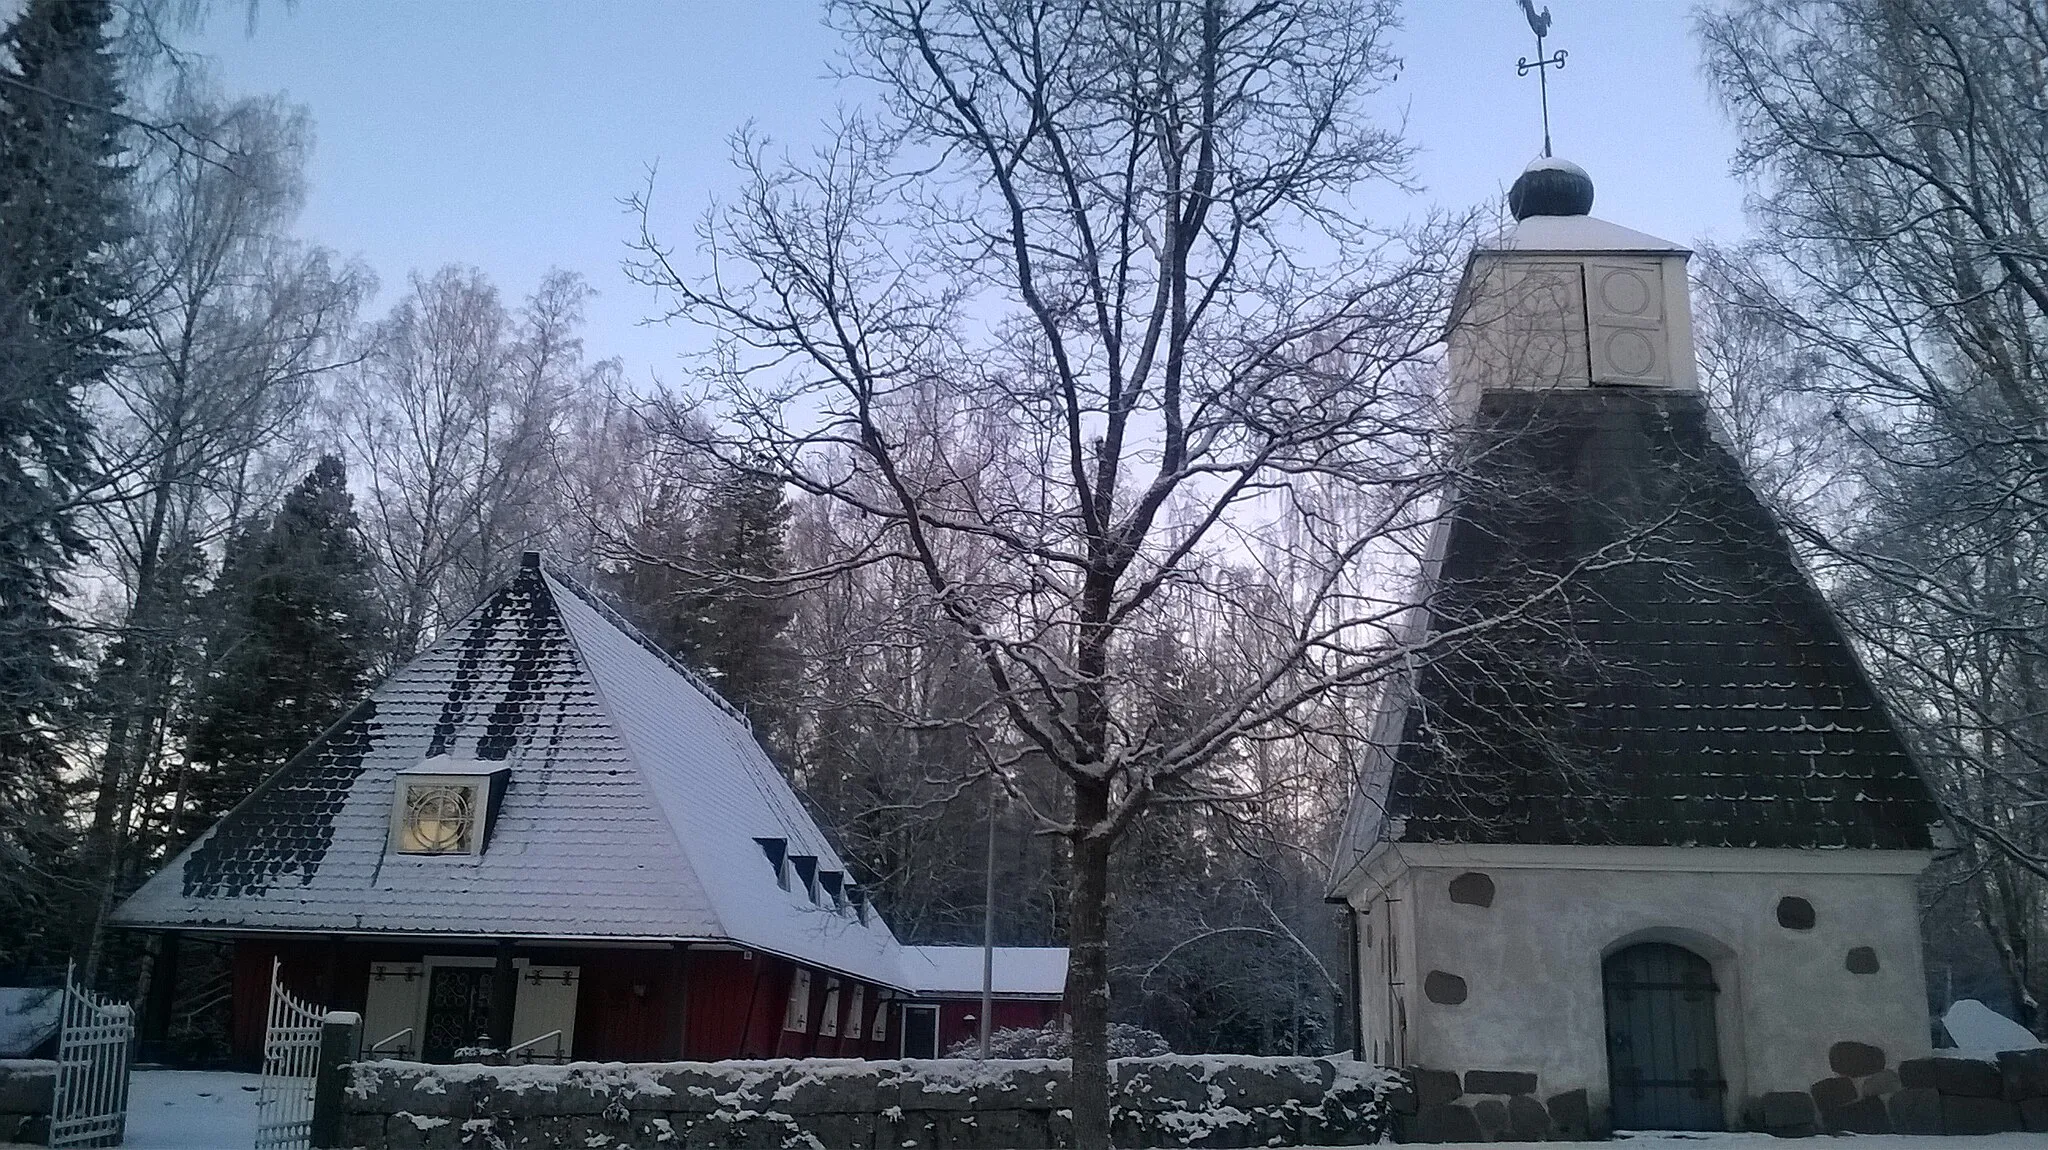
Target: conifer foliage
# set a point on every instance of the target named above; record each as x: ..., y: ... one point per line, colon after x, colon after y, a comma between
x: 295, y: 630
x: 704, y: 585
x: 62, y: 187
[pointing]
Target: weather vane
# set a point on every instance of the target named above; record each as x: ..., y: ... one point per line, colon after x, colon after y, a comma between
x: 1539, y: 23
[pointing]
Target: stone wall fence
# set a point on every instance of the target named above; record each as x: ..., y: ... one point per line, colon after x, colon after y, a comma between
x: 946, y: 1104
x: 27, y: 1088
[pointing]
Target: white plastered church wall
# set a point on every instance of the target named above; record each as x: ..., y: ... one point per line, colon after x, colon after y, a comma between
x: 1530, y: 963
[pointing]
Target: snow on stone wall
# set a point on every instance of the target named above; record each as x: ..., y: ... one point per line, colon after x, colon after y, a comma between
x: 1169, y: 1101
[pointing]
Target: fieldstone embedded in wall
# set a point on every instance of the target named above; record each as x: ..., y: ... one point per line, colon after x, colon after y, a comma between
x: 1795, y: 913
x: 1855, y: 1059
x: 1499, y: 1082
x: 1472, y: 889
x: 1571, y: 1115
x: 1443, y: 988
x: 1787, y: 1114
x: 1861, y: 960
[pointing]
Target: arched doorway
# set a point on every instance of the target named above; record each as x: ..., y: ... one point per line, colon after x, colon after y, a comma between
x: 1663, y: 1055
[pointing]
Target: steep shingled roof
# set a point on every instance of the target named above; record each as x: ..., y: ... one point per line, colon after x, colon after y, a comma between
x: 631, y: 811
x: 1690, y: 688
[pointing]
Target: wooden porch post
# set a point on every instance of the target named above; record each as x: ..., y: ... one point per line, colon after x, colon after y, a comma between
x: 163, y: 986
x: 504, y: 996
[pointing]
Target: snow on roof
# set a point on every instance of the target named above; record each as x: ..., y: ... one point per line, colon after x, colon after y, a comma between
x: 1576, y: 234
x: 1035, y: 971
x: 633, y: 799
x: 1978, y: 1029
x: 28, y: 1017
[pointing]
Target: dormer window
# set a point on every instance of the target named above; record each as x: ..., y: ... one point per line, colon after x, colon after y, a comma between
x: 446, y: 808
x: 439, y: 818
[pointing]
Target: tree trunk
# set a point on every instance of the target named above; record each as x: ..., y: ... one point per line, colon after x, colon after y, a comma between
x: 1088, y: 968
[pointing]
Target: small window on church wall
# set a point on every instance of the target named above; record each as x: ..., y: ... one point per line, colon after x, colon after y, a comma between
x: 797, y: 1016
x: 438, y: 817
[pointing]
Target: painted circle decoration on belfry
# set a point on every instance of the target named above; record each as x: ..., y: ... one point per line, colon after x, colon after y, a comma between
x: 1624, y: 292
x: 1630, y: 352
x: 1861, y: 960
x: 1795, y: 913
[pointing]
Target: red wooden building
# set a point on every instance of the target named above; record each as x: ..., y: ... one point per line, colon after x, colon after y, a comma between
x: 545, y: 835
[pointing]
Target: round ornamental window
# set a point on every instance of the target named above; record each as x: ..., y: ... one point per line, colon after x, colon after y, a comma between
x: 439, y: 819
x: 1795, y: 913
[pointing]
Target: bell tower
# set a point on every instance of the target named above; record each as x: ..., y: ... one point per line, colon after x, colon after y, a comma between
x: 1562, y: 299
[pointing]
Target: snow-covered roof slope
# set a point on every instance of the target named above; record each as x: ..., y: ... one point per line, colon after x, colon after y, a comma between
x: 1576, y: 234
x: 632, y: 801
x: 1020, y: 971
x: 28, y: 1018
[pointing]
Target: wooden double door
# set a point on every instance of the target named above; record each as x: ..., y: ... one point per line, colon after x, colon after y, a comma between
x: 1663, y: 1050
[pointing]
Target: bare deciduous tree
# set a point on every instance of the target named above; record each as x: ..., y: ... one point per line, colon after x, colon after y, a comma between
x: 1903, y: 179
x: 1085, y: 310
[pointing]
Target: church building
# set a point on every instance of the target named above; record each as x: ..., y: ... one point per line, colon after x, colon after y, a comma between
x: 1638, y: 850
x: 544, y: 837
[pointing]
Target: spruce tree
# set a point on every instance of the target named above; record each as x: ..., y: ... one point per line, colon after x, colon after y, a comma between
x: 295, y: 629
x: 63, y: 184
x: 703, y: 587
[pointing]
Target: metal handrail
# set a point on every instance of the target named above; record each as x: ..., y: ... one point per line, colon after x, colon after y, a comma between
x: 535, y: 1041
x: 388, y: 1040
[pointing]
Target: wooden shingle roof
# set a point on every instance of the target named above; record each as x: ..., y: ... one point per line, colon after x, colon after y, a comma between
x: 1687, y: 686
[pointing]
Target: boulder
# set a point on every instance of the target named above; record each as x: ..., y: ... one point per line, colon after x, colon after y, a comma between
x: 2025, y: 1073
x: 1863, y: 1116
x: 1833, y: 1093
x: 1528, y: 1121
x: 1974, y: 1115
x: 1571, y: 1115
x: 1915, y: 1110
x: 1499, y: 1082
x: 1855, y: 1059
x: 1787, y: 1113
x: 1492, y: 1115
x: 1880, y: 1084
x: 1435, y: 1087
x: 1448, y: 1122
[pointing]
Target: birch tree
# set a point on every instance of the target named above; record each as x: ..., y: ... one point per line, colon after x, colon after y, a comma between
x: 1902, y: 180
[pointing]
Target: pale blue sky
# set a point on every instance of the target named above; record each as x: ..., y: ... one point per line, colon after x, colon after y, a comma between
x: 502, y: 134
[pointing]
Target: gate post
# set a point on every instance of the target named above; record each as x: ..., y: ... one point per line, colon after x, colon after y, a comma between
x: 340, y: 1034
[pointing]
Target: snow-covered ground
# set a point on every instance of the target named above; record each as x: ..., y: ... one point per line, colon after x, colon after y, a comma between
x: 205, y: 1110
x: 191, y: 1110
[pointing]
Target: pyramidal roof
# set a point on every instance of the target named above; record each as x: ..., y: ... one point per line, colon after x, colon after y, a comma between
x: 633, y: 800
x: 1686, y: 687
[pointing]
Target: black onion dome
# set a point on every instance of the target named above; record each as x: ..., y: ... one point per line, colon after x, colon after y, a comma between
x: 1551, y: 188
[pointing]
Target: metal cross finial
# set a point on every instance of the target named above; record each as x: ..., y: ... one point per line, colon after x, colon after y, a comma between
x: 1539, y: 23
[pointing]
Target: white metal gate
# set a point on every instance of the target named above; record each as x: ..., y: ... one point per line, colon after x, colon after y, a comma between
x: 291, y: 1050
x: 91, y: 1103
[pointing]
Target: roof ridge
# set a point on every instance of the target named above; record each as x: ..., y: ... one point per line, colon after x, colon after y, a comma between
x: 613, y: 616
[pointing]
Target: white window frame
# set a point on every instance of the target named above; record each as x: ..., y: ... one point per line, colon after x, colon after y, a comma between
x: 854, y: 1020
